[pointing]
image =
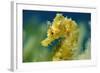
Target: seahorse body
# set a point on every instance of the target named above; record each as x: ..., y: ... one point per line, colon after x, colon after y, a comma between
x: 66, y: 29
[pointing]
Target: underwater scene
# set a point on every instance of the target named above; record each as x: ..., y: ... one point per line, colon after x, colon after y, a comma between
x: 56, y: 36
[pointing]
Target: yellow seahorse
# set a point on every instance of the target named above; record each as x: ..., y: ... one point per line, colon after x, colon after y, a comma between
x: 66, y: 28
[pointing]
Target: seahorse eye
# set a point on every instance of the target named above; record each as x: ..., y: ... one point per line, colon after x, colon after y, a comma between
x: 52, y: 33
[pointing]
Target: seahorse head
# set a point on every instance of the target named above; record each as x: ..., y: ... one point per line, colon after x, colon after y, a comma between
x: 54, y: 31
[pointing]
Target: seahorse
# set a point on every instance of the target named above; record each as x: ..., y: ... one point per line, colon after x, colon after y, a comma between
x: 66, y: 31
